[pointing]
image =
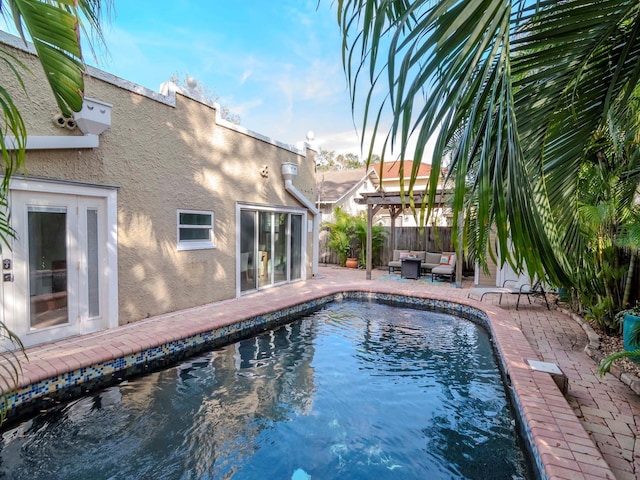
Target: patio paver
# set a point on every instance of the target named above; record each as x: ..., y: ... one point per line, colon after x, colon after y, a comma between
x: 608, y: 410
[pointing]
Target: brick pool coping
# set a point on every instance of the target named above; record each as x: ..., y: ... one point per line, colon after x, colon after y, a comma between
x: 560, y: 445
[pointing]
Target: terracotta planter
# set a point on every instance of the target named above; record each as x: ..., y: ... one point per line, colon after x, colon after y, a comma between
x: 352, y: 263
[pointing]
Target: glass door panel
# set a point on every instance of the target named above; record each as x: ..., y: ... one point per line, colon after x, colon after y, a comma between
x: 93, y: 264
x: 296, y: 247
x: 280, y: 247
x: 265, y: 248
x: 48, y: 293
x: 248, y: 251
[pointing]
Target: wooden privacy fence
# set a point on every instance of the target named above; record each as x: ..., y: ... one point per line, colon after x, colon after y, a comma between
x: 430, y: 239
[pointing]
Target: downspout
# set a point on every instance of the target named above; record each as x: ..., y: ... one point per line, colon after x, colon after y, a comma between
x: 92, y: 120
x: 289, y: 171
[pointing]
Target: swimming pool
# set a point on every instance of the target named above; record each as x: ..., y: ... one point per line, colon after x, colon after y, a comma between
x: 356, y: 390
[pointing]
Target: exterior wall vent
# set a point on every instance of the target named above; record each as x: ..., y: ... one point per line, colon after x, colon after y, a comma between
x: 94, y: 118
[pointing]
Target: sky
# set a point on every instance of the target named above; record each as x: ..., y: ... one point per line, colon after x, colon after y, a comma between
x: 276, y: 64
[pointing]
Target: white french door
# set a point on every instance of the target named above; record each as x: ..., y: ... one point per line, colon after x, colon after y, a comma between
x: 59, y: 262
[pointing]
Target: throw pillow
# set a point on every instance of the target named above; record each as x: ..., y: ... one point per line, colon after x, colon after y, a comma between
x: 444, y: 259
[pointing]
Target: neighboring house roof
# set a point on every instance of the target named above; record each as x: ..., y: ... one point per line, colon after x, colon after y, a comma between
x: 335, y: 185
x: 391, y: 170
x: 332, y: 185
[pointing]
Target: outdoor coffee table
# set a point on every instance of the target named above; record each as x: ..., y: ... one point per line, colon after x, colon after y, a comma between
x: 410, y: 268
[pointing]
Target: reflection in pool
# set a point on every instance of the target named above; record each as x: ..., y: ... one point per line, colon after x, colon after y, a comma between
x: 354, y: 391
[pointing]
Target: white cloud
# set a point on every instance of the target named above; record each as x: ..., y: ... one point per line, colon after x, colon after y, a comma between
x: 245, y: 76
x: 243, y: 108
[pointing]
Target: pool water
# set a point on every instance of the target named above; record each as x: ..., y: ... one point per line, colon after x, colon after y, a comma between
x: 354, y: 391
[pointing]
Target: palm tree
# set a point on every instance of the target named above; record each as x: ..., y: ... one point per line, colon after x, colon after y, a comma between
x: 54, y: 28
x: 523, y: 84
x: 609, y: 220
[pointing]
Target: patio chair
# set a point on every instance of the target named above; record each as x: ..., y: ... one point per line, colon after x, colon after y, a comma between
x: 446, y: 268
x: 512, y: 287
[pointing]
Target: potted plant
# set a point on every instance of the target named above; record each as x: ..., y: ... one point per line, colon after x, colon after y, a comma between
x: 348, y: 238
x: 351, y: 262
x: 343, y: 239
x: 356, y: 243
x: 629, y: 321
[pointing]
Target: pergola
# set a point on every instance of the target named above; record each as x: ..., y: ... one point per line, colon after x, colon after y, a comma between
x: 395, y: 204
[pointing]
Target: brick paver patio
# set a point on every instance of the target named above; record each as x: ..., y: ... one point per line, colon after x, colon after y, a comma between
x: 607, y: 409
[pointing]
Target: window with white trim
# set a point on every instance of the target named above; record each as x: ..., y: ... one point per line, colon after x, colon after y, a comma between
x: 195, y: 230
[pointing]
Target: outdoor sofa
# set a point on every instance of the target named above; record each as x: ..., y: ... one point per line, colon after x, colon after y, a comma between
x: 428, y: 260
x: 446, y: 267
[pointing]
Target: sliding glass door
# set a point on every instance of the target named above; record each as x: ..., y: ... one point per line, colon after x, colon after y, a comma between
x: 271, y: 250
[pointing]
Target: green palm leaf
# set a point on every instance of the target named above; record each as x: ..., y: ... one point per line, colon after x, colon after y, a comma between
x: 607, y: 363
x: 523, y: 84
x: 54, y: 32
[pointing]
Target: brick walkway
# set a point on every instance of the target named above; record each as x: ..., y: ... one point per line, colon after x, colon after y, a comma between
x: 608, y: 410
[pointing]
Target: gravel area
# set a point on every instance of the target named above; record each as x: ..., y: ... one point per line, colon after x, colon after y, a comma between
x: 608, y: 344
x: 613, y: 343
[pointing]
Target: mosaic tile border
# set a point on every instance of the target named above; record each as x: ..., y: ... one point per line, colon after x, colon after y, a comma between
x: 48, y: 392
x: 44, y: 393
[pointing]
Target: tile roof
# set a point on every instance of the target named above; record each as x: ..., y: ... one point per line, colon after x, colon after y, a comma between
x: 391, y: 169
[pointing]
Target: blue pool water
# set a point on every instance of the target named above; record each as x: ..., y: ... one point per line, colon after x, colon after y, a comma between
x: 354, y: 391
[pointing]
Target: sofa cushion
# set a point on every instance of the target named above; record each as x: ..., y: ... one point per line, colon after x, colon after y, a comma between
x: 417, y: 254
x: 432, y: 258
x: 396, y: 254
x: 447, y: 259
x: 443, y: 270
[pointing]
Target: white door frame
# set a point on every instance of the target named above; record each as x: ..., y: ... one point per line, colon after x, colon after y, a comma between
x: 83, y: 197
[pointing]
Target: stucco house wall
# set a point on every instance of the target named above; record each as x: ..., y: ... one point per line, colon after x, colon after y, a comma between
x: 164, y: 153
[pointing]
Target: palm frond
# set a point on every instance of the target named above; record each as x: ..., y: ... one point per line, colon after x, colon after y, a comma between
x: 607, y: 363
x: 523, y: 85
